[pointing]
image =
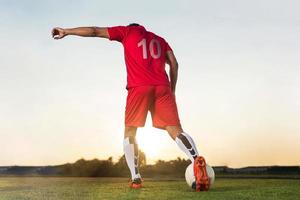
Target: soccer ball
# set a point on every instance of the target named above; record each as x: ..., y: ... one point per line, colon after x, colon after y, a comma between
x: 190, y: 177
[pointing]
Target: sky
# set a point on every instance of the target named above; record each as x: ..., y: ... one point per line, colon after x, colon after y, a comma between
x: 237, y: 92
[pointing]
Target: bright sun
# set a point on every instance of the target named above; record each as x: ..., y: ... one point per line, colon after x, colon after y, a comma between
x: 151, y: 142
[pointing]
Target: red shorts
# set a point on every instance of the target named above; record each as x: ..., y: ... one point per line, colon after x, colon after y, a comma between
x: 159, y: 100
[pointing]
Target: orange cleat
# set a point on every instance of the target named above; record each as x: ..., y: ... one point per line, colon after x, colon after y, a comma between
x: 201, y: 177
x: 136, y: 183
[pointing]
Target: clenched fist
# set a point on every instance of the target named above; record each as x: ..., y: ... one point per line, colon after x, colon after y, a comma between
x: 58, y: 33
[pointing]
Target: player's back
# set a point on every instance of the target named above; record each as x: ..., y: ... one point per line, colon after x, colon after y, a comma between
x: 146, y: 47
x: 145, y: 56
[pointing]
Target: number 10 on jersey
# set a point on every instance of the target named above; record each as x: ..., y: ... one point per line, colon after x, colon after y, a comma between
x: 153, y: 43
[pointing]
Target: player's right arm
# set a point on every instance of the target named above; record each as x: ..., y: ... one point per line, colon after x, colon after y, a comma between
x: 173, y: 73
x: 59, y: 33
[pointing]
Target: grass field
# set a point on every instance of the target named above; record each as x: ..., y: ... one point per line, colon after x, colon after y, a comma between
x: 38, y: 188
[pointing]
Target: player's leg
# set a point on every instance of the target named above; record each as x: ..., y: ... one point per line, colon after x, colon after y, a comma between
x: 137, y: 106
x: 165, y: 116
x: 184, y: 141
x: 131, y: 154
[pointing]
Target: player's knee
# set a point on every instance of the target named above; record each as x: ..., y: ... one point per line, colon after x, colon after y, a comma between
x: 130, y: 131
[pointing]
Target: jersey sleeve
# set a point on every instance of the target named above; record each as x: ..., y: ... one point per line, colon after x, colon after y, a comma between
x: 168, y: 48
x: 117, y: 33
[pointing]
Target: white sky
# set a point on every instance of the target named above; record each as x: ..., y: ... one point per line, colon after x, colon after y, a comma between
x: 238, y: 88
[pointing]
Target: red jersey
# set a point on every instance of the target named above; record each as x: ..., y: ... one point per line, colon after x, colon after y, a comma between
x: 145, y: 55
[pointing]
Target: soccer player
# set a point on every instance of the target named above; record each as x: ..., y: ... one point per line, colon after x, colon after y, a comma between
x: 149, y: 89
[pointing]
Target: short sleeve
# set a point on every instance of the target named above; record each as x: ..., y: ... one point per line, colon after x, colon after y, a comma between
x: 117, y: 33
x: 168, y: 48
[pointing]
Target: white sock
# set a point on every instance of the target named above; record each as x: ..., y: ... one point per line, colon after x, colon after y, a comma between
x: 131, y: 155
x: 187, y: 145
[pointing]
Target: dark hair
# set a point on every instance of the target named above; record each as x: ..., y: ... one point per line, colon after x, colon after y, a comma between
x: 133, y: 24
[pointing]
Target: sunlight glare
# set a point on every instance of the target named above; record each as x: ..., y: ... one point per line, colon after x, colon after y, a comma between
x: 152, y: 142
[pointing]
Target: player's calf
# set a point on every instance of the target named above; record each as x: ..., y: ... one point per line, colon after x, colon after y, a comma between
x: 187, y: 145
x: 132, y: 156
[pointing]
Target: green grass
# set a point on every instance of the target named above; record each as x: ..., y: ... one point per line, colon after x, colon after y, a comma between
x: 38, y: 188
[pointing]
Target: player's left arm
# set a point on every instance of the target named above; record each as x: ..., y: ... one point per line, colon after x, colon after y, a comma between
x: 93, y: 31
x: 173, y: 73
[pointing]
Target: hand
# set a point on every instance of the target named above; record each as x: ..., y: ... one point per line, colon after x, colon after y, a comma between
x: 58, y: 33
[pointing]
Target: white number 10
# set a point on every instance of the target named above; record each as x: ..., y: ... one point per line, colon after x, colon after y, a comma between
x: 151, y: 48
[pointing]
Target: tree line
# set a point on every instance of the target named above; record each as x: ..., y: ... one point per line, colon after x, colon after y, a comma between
x: 161, y: 169
x: 107, y: 168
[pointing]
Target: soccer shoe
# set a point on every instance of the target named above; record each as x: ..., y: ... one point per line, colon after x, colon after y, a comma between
x: 201, y: 177
x: 136, y: 183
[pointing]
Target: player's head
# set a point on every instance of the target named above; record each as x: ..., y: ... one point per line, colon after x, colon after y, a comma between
x: 133, y: 24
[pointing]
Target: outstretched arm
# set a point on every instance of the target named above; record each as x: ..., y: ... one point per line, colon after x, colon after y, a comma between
x: 171, y: 60
x: 59, y: 33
